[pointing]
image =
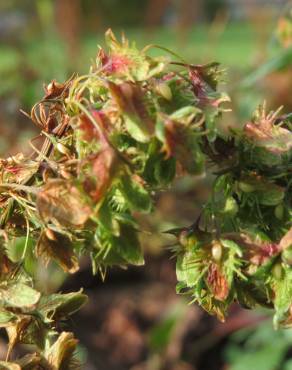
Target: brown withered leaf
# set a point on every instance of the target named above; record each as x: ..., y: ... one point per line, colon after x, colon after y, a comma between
x: 55, y: 89
x: 59, y: 249
x: 61, y: 354
x: 217, y: 282
x: 6, y: 266
x: 104, y: 165
x: 89, y: 131
x: 20, y: 172
x: 174, y: 138
x: 15, y: 332
x: 61, y: 202
x: 30, y: 361
x: 105, y: 162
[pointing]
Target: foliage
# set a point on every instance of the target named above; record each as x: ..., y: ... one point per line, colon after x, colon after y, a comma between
x: 260, y: 348
x: 111, y: 139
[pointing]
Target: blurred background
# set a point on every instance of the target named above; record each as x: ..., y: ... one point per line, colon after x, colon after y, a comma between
x: 135, y: 320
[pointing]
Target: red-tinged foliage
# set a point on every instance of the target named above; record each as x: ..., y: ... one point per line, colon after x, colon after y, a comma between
x: 217, y: 282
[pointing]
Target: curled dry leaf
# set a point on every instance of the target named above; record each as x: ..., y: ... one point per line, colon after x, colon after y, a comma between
x: 61, y: 202
x: 59, y: 249
x: 61, y: 354
x: 55, y: 89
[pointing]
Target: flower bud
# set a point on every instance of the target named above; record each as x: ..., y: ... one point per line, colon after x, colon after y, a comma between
x: 50, y: 234
x: 164, y: 90
x: 217, y: 251
x: 63, y: 149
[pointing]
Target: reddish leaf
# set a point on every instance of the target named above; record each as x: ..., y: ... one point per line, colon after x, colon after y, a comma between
x: 62, y: 202
x: 217, y: 282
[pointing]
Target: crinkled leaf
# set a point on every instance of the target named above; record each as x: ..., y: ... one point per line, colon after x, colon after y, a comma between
x: 58, y: 306
x: 59, y: 249
x: 128, y: 246
x: 186, y: 270
x: 61, y: 355
x: 62, y: 202
x: 6, y: 318
x: 283, y: 297
x: 136, y: 195
x: 18, y: 295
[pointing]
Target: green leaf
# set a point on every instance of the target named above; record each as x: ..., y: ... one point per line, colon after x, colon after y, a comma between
x: 136, y: 195
x: 9, y: 366
x: 6, y: 318
x: 186, y: 269
x: 164, y: 171
x: 59, y: 306
x: 18, y: 295
x: 283, y: 296
x: 129, y: 246
x: 185, y: 114
x: 232, y: 246
x: 136, y: 128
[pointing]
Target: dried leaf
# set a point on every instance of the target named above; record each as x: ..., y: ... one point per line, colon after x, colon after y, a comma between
x: 62, y: 202
x: 60, y: 250
x: 60, y: 355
